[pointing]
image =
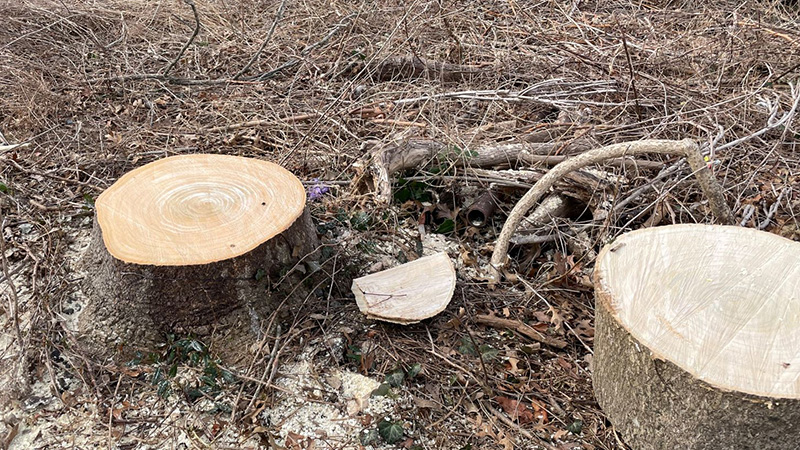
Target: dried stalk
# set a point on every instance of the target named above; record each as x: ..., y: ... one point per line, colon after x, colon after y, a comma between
x: 521, y: 328
x: 13, y: 304
x: 305, y: 52
x: 189, y: 42
x: 260, y: 50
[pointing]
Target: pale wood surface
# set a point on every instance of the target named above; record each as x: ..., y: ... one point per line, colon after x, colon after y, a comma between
x: 197, y: 209
x: 720, y: 302
x: 407, y: 293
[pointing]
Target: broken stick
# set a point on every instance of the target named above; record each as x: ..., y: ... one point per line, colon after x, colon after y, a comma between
x: 521, y: 328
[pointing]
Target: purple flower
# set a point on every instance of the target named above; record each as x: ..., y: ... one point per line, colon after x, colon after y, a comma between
x: 317, y: 190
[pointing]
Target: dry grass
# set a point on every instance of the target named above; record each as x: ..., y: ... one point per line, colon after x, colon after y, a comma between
x: 83, y: 82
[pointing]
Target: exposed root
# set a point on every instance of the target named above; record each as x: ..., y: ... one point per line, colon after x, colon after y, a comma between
x: 686, y: 147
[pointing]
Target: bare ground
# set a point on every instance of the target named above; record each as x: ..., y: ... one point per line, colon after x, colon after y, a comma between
x: 97, y: 88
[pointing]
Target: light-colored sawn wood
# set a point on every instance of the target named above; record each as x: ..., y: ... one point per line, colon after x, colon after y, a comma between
x: 197, y: 209
x: 193, y: 245
x: 697, y: 339
x: 407, y: 293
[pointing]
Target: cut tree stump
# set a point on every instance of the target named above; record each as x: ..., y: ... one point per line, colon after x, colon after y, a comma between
x: 190, y: 244
x: 697, y: 340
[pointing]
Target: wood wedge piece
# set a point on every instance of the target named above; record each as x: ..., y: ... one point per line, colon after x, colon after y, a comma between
x: 407, y: 293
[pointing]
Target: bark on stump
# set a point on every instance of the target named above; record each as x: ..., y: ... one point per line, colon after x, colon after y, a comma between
x: 697, y: 334
x: 189, y: 244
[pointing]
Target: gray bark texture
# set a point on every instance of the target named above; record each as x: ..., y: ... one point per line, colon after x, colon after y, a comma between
x: 131, y: 307
x: 656, y: 405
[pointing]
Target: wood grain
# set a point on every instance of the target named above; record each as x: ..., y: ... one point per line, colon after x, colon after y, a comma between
x: 197, y: 209
x: 407, y: 293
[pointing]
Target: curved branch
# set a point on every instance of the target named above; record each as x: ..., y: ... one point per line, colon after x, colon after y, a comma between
x: 686, y: 147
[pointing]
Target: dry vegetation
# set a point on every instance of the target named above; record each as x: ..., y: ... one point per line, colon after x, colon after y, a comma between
x: 99, y: 87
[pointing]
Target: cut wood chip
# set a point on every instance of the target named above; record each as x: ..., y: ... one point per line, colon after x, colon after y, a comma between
x: 408, y: 293
x: 197, y: 209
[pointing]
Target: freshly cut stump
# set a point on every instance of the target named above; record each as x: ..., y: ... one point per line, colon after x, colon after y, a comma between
x: 697, y: 341
x: 407, y: 293
x: 188, y: 244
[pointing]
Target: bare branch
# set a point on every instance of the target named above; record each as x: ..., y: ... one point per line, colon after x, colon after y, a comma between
x: 278, y: 17
x: 686, y: 147
x: 189, y: 42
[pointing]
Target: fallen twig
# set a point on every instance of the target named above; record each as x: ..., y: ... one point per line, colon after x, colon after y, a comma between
x: 771, y: 122
x: 167, y: 69
x: 13, y: 304
x: 247, y: 66
x: 5, y: 148
x: 539, y: 93
x: 411, y: 66
x: 303, y: 53
x: 399, y: 123
x: 554, y: 205
x: 521, y: 328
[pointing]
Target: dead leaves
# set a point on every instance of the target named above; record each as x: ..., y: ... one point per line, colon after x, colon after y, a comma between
x: 522, y: 412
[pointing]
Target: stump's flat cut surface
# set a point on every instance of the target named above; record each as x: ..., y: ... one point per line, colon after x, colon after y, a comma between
x: 197, y: 209
x: 698, y: 337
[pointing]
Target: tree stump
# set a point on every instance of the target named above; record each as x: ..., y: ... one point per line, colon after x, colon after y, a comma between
x: 189, y: 244
x: 697, y: 341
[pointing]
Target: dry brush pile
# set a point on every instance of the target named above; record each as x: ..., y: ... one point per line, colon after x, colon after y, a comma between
x: 398, y: 115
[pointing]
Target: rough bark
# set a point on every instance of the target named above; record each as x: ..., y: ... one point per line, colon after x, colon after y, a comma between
x: 403, y: 153
x: 132, y: 306
x: 656, y: 405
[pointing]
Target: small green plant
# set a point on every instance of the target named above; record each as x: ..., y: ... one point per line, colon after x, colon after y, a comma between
x: 360, y: 221
x: 446, y: 227
x: 354, y: 354
x: 412, y: 190
x: 486, y: 351
x: 88, y: 202
x: 575, y: 427
x: 382, y: 391
x: 467, y: 347
x: 395, y: 378
x: 390, y: 431
x: 369, y: 437
x: 414, y: 370
x: 192, y: 353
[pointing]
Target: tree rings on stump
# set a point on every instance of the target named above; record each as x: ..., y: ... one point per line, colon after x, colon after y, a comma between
x: 696, y: 340
x: 188, y: 244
